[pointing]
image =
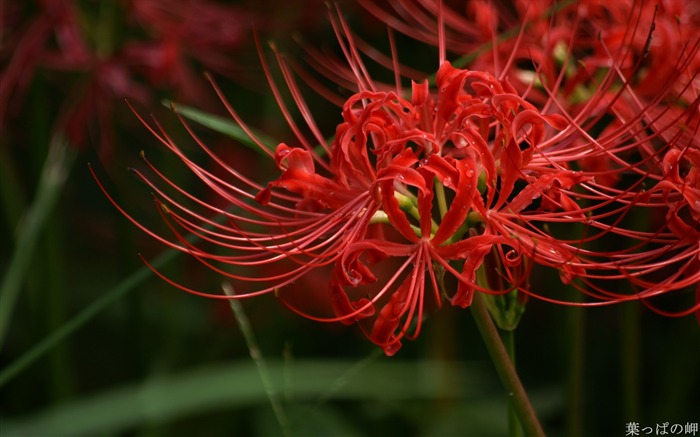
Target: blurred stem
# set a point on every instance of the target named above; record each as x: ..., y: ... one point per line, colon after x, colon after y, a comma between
x: 49, y: 300
x: 256, y: 355
x: 347, y: 376
x: 53, y: 176
x: 577, y: 335
x: 505, y: 369
x: 11, y: 197
x: 104, y: 38
x: 630, y: 359
x: 513, y: 422
x: 123, y: 288
x: 77, y: 322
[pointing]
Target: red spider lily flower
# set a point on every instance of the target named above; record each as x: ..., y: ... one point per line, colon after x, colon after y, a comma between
x: 180, y: 35
x: 561, y: 43
x: 300, y: 221
x: 447, y: 183
x: 428, y: 248
x: 475, y: 130
x: 682, y: 175
x: 29, y: 48
x: 546, y: 169
x: 95, y: 73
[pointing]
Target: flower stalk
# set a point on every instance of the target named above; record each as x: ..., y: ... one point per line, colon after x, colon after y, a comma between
x: 53, y: 177
x: 506, y: 370
x: 258, y: 359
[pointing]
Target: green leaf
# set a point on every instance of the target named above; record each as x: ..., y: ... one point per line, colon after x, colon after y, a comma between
x: 308, y: 420
x: 164, y: 398
x: 224, y: 126
x: 57, y: 166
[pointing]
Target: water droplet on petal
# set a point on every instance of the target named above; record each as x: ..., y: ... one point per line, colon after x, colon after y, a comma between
x: 565, y: 275
x: 354, y: 277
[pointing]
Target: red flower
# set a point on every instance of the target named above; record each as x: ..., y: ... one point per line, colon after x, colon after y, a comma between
x: 277, y: 233
x: 429, y: 246
x: 465, y: 188
x: 95, y: 73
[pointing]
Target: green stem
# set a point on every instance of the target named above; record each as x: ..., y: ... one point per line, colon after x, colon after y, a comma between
x: 104, y: 32
x: 441, y: 200
x: 630, y: 357
x: 505, y: 369
x: 11, y: 198
x: 80, y: 320
x: 48, y: 297
x: 54, y: 173
x: 576, y: 366
x: 513, y: 422
x: 69, y: 328
x: 256, y: 355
